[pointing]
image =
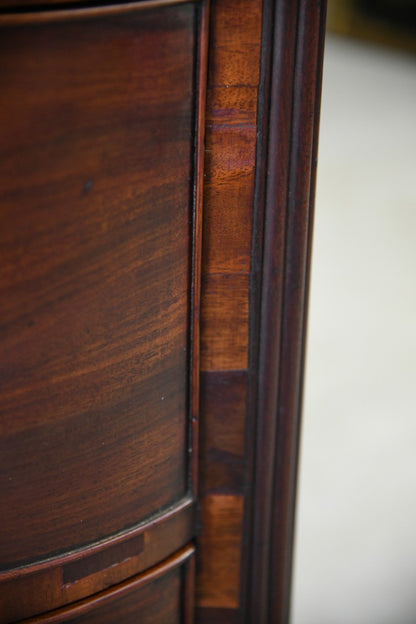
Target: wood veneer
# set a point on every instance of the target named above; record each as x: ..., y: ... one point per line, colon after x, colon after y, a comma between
x: 157, y: 171
x: 99, y: 283
x: 159, y: 593
x: 262, y: 111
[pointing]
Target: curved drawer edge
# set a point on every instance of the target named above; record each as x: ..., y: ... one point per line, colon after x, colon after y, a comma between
x: 19, y: 12
x: 50, y: 584
x: 112, y: 600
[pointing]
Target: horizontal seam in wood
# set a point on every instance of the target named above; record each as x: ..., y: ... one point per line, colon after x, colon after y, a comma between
x: 232, y: 86
x: 231, y: 125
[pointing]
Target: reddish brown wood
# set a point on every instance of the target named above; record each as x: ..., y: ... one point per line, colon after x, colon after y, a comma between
x: 157, y: 595
x: 188, y: 598
x: 220, y: 544
x: 231, y: 134
x: 224, y: 322
x: 279, y: 36
x: 94, y: 279
x: 219, y: 615
x: 100, y: 184
x: 230, y: 160
x: 311, y: 25
x: 198, y: 194
x: 222, y: 460
x: 52, y: 584
x: 234, y: 56
x: 58, y: 9
x: 103, y: 331
x: 257, y: 225
x: 222, y: 452
x: 292, y: 57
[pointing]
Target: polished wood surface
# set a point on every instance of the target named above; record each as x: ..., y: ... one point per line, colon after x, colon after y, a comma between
x: 93, y: 389
x: 291, y: 64
x: 262, y: 111
x: 27, y: 9
x: 72, y: 577
x: 99, y: 282
x: 158, y: 596
x: 157, y: 165
x: 230, y: 169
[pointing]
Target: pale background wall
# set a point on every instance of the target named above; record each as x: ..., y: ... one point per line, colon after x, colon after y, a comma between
x: 356, y: 533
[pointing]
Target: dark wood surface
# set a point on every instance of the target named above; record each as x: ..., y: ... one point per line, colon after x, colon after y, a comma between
x: 71, y: 7
x: 95, y: 276
x: 156, y: 597
x: 291, y: 64
x: 99, y: 286
x: 262, y: 111
x: 72, y: 577
x: 154, y: 255
x: 231, y: 135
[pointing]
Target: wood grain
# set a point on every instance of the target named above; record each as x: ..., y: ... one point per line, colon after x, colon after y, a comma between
x: 157, y: 595
x: 233, y: 77
x: 219, y: 575
x: 230, y: 160
x: 103, y: 338
x: 229, y: 182
x: 222, y: 490
x: 94, y: 276
x: 32, y: 590
x: 224, y: 317
x: 262, y: 107
x: 235, y: 44
x: 233, y: 106
x: 222, y: 451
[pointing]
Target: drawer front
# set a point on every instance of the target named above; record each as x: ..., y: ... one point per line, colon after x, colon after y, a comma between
x: 161, y: 596
x: 99, y: 273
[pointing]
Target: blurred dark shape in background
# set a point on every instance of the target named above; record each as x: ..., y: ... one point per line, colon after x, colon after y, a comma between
x: 387, y: 22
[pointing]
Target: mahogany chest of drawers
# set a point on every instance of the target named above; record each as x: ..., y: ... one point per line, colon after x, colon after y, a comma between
x: 156, y: 188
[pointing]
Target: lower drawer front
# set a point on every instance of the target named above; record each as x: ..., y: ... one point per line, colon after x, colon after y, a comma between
x: 163, y: 595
